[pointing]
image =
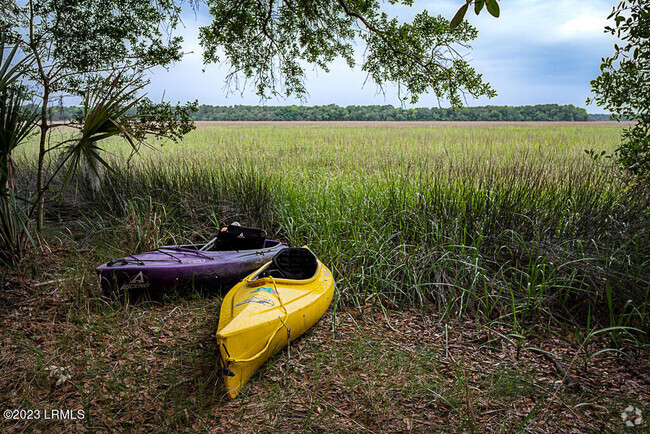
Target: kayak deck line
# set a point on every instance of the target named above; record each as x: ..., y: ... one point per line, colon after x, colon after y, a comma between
x: 138, y: 261
x: 234, y: 253
x: 230, y: 359
x: 185, y: 251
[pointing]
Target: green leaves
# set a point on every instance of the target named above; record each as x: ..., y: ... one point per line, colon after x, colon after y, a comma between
x: 460, y: 15
x: 478, y: 6
x: 11, y: 72
x: 492, y: 8
x: 164, y: 120
x: 87, y: 36
x: 16, y: 120
x: 76, y: 43
x: 622, y: 86
x: 104, y: 115
x: 113, y: 108
x: 268, y: 43
x: 16, y: 123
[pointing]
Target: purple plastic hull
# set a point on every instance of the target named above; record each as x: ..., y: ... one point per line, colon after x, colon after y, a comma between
x: 169, y: 267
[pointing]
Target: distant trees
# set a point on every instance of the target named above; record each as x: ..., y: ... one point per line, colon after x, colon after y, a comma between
x: 547, y: 112
x: 332, y: 112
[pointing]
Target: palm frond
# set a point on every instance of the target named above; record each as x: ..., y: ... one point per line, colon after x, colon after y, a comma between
x: 10, y: 72
x: 16, y: 123
x: 16, y: 119
x: 105, y: 114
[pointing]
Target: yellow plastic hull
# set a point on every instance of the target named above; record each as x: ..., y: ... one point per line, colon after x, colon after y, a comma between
x: 259, y: 316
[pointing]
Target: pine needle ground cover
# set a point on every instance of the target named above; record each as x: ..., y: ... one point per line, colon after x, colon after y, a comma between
x: 490, y: 277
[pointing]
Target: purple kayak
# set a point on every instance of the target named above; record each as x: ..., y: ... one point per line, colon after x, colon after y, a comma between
x: 232, y: 255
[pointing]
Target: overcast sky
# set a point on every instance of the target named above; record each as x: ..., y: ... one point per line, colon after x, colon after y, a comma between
x: 537, y: 52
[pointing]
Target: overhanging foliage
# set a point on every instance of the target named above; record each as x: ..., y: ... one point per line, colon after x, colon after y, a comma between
x: 270, y: 42
x: 623, y: 86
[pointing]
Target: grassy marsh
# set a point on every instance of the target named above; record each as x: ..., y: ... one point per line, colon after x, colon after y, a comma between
x: 509, y: 221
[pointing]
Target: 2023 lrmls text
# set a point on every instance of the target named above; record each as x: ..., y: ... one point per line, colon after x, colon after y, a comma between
x: 48, y: 414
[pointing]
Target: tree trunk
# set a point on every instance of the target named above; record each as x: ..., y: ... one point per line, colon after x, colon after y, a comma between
x: 33, y: 45
x: 40, y: 206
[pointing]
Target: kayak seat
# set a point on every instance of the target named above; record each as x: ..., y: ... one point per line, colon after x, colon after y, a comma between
x: 294, y: 263
x: 235, y: 237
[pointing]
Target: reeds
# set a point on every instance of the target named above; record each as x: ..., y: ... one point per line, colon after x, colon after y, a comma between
x: 511, y: 223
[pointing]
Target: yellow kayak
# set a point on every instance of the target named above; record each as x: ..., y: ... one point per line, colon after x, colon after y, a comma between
x: 269, y: 308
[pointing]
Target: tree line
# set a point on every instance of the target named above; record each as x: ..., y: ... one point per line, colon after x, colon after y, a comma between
x: 332, y: 112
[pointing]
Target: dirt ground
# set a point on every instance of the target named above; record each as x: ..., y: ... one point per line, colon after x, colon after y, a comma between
x: 153, y: 367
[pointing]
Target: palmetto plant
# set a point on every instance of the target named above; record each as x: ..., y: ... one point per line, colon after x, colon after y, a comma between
x: 113, y: 108
x: 106, y: 113
x: 10, y: 108
x: 16, y: 123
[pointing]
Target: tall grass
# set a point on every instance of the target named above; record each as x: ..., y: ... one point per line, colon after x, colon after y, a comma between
x: 509, y: 223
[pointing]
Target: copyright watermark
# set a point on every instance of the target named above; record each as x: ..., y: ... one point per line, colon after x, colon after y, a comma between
x: 50, y: 414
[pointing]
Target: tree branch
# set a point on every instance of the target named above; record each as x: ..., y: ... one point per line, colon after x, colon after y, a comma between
x: 371, y: 27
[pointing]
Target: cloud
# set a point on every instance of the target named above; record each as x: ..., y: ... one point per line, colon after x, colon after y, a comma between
x: 584, y: 27
x: 549, y: 22
x: 542, y: 51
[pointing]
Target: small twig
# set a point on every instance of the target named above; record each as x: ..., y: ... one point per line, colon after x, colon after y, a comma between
x: 166, y: 317
x: 337, y: 411
x: 566, y: 378
x: 49, y: 282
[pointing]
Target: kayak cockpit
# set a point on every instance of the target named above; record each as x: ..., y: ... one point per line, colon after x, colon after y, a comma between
x: 297, y: 263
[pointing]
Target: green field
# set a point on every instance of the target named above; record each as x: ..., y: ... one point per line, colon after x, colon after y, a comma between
x: 509, y: 233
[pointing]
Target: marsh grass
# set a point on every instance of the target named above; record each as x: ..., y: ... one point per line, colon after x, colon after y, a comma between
x: 513, y: 223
